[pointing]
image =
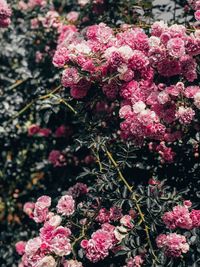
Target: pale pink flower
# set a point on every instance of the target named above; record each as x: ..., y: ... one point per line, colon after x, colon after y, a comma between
x: 139, y: 106
x: 120, y: 233
x: 83, y: 2
x: 29, y: 208
x: 55, y: 220
x: 176, y: 47
x: 72, y: 16
x: 59, y: 243
x: 33, y: 245
x: 66, y: 205
x: 127, y: 221
x: 40, y: 213
x: 137, y: 261
x: 197, y: 99
x: 47, y: 261
x: 72, y: 263
x: 185, y: 115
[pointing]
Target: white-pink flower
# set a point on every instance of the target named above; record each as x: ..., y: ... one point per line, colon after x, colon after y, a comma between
x: 66, y: 205
x: 47, y: 261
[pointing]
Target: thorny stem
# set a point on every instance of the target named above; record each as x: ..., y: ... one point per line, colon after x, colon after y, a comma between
x: 77, y: 240
x: 51, y: 94
x: 17, y: 83
x: 146, y: 228
x: 118, y: 170
x: 65, y: 103
x: 96, y: 154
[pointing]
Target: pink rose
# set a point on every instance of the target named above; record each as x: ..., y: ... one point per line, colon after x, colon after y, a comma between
x: 33, y: 129
x: 72, y: 263
x: 72, y: 16
x: 59, y: 243
x: 20, y: 247
x: 28, y: 208
x: 44, y: 132
x: 197, y: 15
x: 127, y: 221
x: 47, y: 261
x: 66, y: 205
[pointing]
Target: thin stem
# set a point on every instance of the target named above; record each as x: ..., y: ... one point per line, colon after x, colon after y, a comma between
x: 51, y: 94
x: 118, y: 170
x: 17, y: 83
x: 146, y: 228
x: 68, y: 105
x: 96, y: 154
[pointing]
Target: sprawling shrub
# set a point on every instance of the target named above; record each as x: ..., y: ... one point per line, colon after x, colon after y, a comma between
x: 99, y: 133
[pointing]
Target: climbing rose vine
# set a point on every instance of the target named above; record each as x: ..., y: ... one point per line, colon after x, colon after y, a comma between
x: 100, y: 126
x: 134, y: 67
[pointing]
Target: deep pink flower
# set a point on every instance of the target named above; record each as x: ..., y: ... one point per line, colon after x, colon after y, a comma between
x: 33, y: 129
x: 44, y: 132
x: 115, y: 213
x: 179, y: 217
x: 97, y: 248
x: 5, y: 14
x: 197, y: 15
x: 61, y: 57
x: 77, y: 190
x: 103, y: 216
x: 20, y: 247
x: 78, y: 93
x: 57, y: 158
x: 70, y: 77
x: 195, y: 217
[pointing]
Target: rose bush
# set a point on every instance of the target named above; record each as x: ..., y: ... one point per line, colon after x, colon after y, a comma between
x: 122, y: 118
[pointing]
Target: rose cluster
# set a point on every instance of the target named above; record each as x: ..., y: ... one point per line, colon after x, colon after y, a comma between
x: 181, y: 217
x: 53, y: 238
x: 31, y: 4
x: 5, y: 14
x: 195, y: 4
x: 61, y: 131
x: 173, y: 244
x: 137, y: 261
x: 56, y: 241
x: 131, y: 66
x: 105, y: 239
